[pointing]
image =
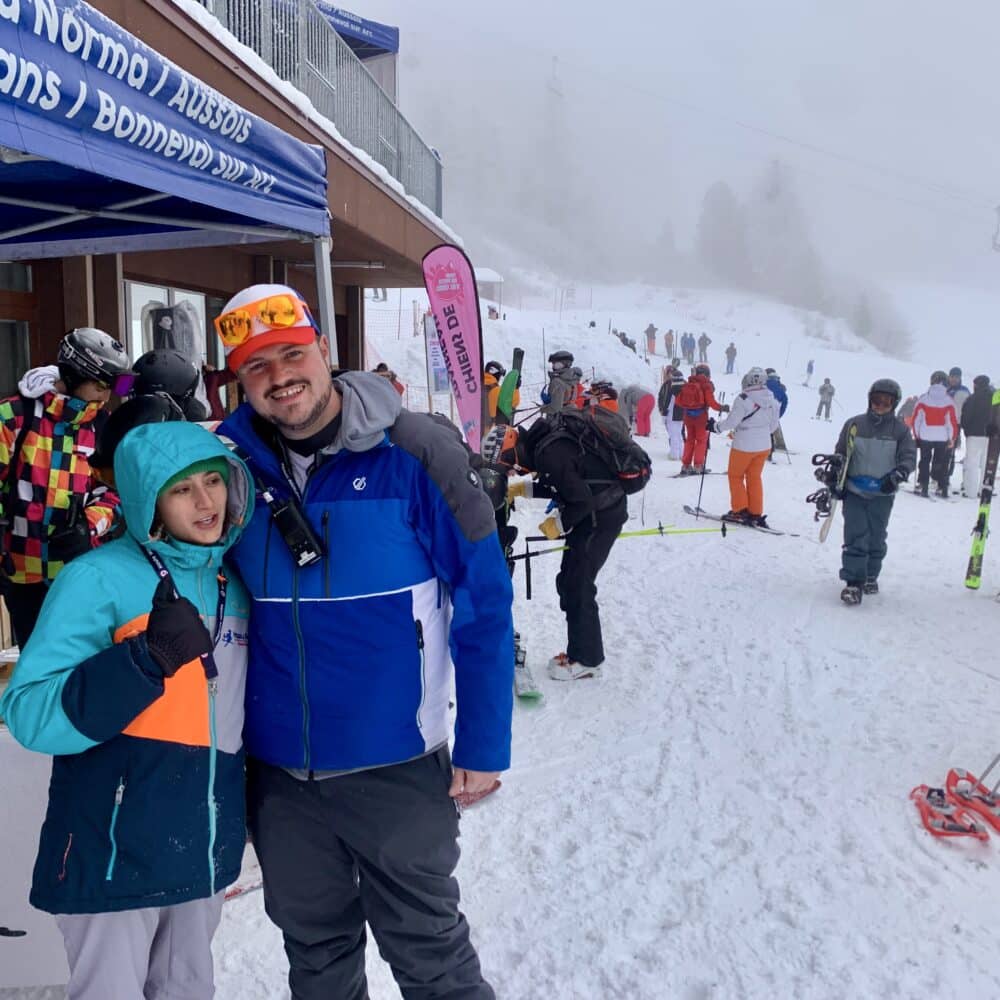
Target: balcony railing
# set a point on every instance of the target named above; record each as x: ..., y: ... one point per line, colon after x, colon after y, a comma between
x: 302, y: 47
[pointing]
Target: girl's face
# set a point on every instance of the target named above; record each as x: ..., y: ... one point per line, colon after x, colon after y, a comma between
x: 194, y: 510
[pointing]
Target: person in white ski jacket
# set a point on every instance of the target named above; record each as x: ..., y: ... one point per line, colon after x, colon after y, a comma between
x: 752, y: 420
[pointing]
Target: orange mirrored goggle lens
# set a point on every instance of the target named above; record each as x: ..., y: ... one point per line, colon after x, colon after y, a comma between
x: 276, y: 311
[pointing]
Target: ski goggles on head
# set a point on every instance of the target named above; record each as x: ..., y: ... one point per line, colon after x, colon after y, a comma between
x: 277, y: 312
x: 120, y: 385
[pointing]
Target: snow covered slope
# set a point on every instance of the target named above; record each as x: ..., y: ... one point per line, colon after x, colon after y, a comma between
x: 724, y: 815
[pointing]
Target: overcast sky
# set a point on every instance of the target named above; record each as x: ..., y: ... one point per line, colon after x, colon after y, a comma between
x: 887, y: 111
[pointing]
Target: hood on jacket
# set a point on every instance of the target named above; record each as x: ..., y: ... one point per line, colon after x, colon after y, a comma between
x: 369, y: 407
x: 36, y: 382
x: 937, y: 395
x: 150, y: 454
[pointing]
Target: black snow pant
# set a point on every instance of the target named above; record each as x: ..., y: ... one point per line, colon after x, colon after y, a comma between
x: 377, y: 847
x: 24, y: 605
x: 866, y: 523
x: 824, y: 404
x: 934, y: 459
x: 587, y: 548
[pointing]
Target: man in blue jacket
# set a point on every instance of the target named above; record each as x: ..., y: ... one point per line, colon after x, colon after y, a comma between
x: 780, y: 393
x: 372, y: 567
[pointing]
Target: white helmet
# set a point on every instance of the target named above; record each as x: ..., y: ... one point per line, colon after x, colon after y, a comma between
x: 754, y: 377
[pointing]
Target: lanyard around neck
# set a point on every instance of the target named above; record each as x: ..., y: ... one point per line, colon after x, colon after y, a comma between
x: 208, y: 661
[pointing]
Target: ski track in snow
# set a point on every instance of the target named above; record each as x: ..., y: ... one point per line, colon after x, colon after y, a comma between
x: 724, y: 814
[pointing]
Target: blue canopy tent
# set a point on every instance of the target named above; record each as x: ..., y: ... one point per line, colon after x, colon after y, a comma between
x: 366, y: 38
x: 108, y: 147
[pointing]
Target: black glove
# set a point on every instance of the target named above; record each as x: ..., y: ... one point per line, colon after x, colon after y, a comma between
x: 711, y: 425
x: 890, y: 483
x: 175, y: 633
x: 725, y: 407
x: 69, y: 542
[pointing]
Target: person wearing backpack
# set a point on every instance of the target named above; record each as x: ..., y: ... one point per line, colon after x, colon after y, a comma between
x: 564, y: 383
x: 54, y: 508
x: 591, y: 509
x: 695, y: 398
x: 751, y: 421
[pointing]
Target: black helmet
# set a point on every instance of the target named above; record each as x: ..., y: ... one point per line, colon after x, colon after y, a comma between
x: 702, y: 369
x: 155, y: 408
x: 170, y: 372
x: 88, y: 354
x: 956, y: 371
x: 561, y: 358
x: 888, y: 386
x: 939, y: 378
x: 495, y: 369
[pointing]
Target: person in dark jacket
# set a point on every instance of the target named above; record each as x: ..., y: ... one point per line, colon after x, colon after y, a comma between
x: 730, y: 358
x: 134, y: 681
x: 673, y: 416
x: 975, y: 423
x: 591, y: 511
x: 704, y: 341
x: 880, y: 454
x: 780, y: 393
x: 390, y: 593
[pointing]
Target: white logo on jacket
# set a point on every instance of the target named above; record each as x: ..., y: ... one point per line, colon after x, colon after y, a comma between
x: 360, y: 483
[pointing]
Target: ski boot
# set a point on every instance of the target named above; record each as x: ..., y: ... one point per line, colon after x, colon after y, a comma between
x: 562, y: 668
x: 921, y: 490
x: 852, y: 593
x: 737, y: 516
x: 758, y: 521
x: 870, y: 586
x: 686, y: 470
x: 942, y: 491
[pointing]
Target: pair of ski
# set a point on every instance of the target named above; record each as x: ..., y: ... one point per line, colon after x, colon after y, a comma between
x: 698, y: 512
x: 965, y: 807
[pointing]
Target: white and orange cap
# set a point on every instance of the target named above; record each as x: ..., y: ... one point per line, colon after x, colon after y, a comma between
x: 260, y: 316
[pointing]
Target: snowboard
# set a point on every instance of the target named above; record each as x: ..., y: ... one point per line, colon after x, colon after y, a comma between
x: 824, y: 528
x: 505, y: 400
x: 524, y: 682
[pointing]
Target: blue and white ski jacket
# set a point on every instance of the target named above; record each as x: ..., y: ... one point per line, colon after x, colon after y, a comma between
x: 351, y: 658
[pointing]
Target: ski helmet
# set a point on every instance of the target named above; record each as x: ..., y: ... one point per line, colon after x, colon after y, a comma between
x: 890, y: 387
x: 87, y: 354
x: 152, y: 408
x: 702, y: 369
x: 495, y: 369
x: 169, y: 371
x: 939, y: 378
x: 754, y: 377
x: 560, y: 360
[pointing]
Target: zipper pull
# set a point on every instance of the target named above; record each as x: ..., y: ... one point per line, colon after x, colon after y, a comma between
x: 420, y: 634
x: 120, y: 792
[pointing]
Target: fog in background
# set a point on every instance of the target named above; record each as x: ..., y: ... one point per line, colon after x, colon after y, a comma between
x: 813, y: 151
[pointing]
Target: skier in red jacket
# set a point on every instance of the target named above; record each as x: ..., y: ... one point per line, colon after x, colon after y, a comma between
x: 695, y: 399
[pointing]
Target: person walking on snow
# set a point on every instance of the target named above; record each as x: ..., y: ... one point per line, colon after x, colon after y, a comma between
x: 975, y: 423
x: 673, y: 415
x: 752, y: 420
x: 935, y: 428
x: 880, y: 454
x: 650, y: 332
x: 591, y: 511
x: 826, y: 394
x: 668, y: 343
x: 703, y: 343
x: 389, y: 593
x: 134, y: 683
x: 780, y: 393
x: 809, y: 373
x: 695, y: 398
x: 730, y: 358
x: 635, y: 404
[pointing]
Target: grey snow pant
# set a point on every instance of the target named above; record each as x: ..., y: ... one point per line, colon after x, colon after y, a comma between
x: 156, y: 953
x: 377, y: 847
x: 866, y: 522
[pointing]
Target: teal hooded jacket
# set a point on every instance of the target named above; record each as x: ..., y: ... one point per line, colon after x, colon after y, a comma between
x: 146, y: 802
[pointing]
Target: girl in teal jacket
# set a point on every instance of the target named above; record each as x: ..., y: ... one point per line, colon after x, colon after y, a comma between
x: 134, y: 680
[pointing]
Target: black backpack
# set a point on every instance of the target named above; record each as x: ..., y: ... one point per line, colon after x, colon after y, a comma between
x: 605, y: 434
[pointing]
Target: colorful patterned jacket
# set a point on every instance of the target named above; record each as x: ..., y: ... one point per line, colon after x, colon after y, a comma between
x: 52, y: 467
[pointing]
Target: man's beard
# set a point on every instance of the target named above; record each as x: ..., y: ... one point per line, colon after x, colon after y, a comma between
x: 314, y: 414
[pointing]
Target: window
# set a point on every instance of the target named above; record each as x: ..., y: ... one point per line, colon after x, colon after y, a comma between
x: 15, y: 277
x: 14, y: 358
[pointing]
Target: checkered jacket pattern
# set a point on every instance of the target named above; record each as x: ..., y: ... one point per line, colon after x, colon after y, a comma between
x: 52, y: 468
